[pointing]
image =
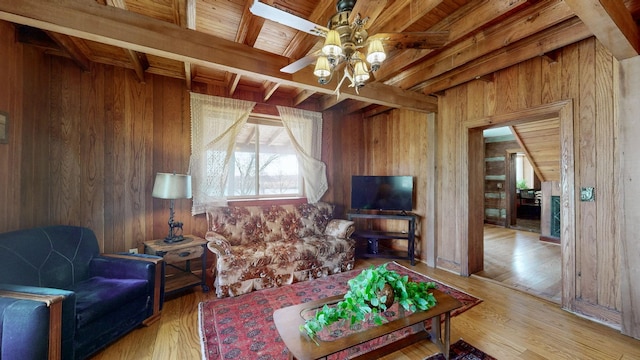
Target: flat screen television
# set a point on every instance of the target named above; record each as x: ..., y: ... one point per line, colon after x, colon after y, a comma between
x: 382, y: 193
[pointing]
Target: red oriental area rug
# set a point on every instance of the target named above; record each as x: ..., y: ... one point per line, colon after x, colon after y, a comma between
x: 461, y: 350
x: 242, y: 327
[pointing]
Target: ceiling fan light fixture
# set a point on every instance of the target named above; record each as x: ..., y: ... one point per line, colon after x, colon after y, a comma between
x: 360, y: 73
x: 332, y: 45
x: 322, y: 69
x: 376, y: 54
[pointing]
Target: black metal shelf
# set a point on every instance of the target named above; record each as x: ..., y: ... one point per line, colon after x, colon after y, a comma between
x: 373, y: 237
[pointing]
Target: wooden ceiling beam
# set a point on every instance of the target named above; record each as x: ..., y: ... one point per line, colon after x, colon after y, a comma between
x: 188, y: 21
x: 138, y: 60
x: 301, y: 96
x: 248, y: 31
x: 370, y: 9
x: 303, y: 42
x: 402, y: 14
x: 112, y: 26
x: 528, y: 23
x: 76, y: 52
x: 569, y: 32
x: 268, y: 88
x: 375, y: 110
x: 611, y: 23
x: 469, y: 19
x: 330, y: 100
x: 55, y: 44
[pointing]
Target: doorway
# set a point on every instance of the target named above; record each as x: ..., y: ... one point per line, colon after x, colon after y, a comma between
x: 525, y: 209
x: 562, y: 111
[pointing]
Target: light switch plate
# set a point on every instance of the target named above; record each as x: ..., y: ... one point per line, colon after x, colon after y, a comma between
x: 587, y: 194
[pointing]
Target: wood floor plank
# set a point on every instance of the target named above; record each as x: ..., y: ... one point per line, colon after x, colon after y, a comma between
x: 520, y: 260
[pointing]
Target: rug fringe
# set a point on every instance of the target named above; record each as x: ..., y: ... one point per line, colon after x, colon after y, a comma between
x: 201, y: 332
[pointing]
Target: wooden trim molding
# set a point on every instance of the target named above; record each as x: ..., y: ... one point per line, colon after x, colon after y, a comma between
x: 563, y: 110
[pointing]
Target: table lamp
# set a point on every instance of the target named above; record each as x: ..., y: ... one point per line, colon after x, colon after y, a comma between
x: 172, y: 186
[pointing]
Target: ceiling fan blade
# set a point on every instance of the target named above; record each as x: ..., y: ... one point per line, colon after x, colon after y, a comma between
x: 413, y: 40
x: 368, y: 8
x: 300, y: 63
x: 282, y: 17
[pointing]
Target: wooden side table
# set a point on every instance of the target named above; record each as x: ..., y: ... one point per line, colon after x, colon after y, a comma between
x: 177, y: 256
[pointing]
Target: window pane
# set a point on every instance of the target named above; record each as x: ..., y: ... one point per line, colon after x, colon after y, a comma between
x: 244, y: 176
x: 267, y: 151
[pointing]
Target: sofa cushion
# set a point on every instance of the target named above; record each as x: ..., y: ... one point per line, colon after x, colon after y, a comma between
x: 280, y: 223
x: 240, y: 225
x: 313, y: 218
x: 98, y: 296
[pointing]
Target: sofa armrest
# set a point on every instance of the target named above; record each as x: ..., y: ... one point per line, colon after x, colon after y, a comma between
x: 340, y: 228
x: 29, y: 316
x: 158, y: 283
x: 217, y: 243
x: 134, y: 266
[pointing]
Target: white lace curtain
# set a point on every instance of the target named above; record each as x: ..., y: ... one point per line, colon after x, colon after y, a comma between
x: 305, y: 131
x: 215, y: 124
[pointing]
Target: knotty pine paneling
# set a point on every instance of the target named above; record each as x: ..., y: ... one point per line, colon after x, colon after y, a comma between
x: 582, y: 73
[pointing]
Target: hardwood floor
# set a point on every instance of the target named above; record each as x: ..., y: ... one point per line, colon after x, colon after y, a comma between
x: 519, y: 259
x: 508, y: 324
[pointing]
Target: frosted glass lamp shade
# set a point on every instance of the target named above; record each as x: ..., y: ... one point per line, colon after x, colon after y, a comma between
x: 172, y: 186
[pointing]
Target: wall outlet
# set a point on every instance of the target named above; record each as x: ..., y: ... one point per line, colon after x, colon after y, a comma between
x: 133, y: 251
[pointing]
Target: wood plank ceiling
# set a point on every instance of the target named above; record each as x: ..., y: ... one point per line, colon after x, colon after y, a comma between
x: 221, y: 42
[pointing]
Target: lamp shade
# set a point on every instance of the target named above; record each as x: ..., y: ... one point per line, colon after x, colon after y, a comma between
x: 322, y: 68
x: 332, y: 45
x: 172, y: 186
x: 376, y: 53
x: 361, y: 73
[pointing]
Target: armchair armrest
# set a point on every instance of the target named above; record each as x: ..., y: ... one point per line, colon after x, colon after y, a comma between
x: 217, y: 243
x: 149, y: 267
x: 340, y: 228
x: 27, y: 319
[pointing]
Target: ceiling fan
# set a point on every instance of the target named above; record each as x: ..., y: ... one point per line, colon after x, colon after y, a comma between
x: 345, y: 35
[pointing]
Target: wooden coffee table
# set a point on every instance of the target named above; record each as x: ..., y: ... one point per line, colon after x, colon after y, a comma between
x: 289, y: 319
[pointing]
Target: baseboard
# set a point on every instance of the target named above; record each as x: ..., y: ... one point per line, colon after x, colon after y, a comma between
x: 550, y: 239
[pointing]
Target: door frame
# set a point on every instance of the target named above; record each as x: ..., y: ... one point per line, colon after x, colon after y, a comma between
x: 473, y: 248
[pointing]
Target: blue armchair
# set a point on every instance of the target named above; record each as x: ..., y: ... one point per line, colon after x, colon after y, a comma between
x: 103, y: 297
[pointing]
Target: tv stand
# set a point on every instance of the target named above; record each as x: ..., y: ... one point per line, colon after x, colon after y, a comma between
x: 372, y: 237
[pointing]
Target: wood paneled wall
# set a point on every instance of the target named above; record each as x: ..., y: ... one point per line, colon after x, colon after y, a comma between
x: 85, y: 147
x: 391, y: 143
x: 582, y: 73
x: 630, y: 246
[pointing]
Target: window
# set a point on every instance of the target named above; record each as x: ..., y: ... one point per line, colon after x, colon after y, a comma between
x: 264, y: 162
x: 239, y: 155
x: 524, y: 171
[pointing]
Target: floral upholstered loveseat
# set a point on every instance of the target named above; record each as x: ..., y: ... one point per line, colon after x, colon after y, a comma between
x: 262, y: 247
